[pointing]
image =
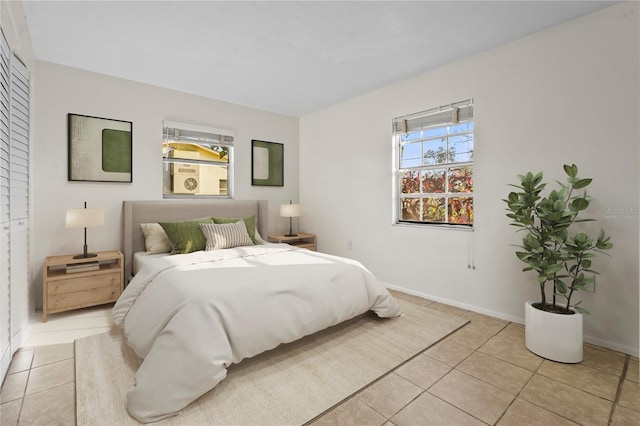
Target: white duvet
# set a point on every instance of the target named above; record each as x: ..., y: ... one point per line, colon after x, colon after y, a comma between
x: 191, y: 316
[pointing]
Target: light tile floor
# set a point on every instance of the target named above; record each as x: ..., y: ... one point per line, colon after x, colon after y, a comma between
x: 482, y: 374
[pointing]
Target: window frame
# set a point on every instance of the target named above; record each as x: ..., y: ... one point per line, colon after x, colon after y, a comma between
x: 203, y: 136
x: 446, y: 116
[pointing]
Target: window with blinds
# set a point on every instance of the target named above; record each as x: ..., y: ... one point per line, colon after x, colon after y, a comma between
x: 197, y: 161
x: 434, y: 166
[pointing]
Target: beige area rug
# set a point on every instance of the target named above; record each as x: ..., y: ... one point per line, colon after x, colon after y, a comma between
x: 289, y: 385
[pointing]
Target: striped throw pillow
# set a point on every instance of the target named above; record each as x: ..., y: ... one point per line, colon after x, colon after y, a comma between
x: 226, y: 235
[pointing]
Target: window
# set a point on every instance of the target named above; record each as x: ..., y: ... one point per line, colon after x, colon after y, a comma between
x: 434, y: 166
x: 197, y: 161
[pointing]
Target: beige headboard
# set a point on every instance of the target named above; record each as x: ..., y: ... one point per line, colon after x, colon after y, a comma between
x: 136, y: 212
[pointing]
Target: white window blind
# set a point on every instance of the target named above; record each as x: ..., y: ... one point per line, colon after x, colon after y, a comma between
x: 435, y: 117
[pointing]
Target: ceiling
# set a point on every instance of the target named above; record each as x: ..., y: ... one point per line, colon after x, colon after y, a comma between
x: 288, y: 57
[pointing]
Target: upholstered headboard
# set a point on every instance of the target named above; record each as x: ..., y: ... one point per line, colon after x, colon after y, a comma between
x: 136, y: 212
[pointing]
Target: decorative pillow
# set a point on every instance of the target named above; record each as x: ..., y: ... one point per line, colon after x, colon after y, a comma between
x: 155, y: 239
x: 250, y: 223
x: 186, y: 236
x: 259, y: 239
x: 226, y: 235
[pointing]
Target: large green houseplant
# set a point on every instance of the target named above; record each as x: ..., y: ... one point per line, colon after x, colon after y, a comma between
x: 548, y: 247
x: 561, y: 257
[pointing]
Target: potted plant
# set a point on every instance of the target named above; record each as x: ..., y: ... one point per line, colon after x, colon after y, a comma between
x: 561, y: 257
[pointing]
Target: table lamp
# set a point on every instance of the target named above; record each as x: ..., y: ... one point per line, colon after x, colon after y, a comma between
x: 290, y: 210
x: 84, y: 218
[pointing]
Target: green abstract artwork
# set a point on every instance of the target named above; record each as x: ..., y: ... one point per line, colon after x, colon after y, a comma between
x: 267, y: 163
x: 100, y: 149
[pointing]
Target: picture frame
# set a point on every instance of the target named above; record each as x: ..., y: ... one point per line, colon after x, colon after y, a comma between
x: 267, y: 163
x: 99, y: 149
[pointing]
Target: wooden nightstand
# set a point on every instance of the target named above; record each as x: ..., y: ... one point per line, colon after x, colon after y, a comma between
x: 302, y: 240
x: 62, y: 291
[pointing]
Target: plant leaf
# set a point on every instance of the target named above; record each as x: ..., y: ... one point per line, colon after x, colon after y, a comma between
x: 579, y: 204
x: 571, y: 171
x: 581, y: 183
x: 581, y: 310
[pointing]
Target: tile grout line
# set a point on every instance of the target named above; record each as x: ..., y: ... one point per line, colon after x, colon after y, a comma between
x: 623, y: 376
x: 613, y: 403
x: 453, y: 368
x: 388, y: 419
x: 24, y: 394
x: 520, y: 391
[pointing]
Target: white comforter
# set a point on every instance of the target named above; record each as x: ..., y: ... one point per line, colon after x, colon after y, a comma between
x: 191, y: 316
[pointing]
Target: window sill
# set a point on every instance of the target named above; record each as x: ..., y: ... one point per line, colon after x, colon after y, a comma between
x: 444, y: 226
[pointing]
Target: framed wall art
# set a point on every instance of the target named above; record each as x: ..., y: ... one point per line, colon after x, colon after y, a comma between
x: 267, y: 163
x: 99, y: 149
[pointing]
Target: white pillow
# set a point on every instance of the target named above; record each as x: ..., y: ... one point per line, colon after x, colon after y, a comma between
x: 155, y: 239
x: 226, y: 235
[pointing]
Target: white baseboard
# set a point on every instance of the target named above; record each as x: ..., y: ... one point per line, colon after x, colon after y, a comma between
x: 518, y: 320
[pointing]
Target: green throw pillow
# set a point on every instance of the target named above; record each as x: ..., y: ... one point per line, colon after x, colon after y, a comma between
x: 186, y: 236
x: 250, y: 223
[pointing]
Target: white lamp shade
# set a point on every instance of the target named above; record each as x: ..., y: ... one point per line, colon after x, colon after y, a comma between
x: 84, y: 218
x: 290, y: 210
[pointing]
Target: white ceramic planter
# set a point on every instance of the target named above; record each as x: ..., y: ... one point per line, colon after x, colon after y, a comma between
x: 553, y: 336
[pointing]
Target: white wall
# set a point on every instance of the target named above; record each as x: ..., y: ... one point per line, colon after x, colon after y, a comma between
x: 63, y: 90
x: 15, y: 30
x: 565, y: 95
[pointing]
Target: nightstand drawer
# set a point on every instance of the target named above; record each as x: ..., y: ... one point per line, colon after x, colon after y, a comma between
x: 79, y: 292
x: 74, y: 284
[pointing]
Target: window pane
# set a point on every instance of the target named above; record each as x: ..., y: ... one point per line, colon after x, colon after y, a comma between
x: 461, y: 147
x: 410, y: 155
x: 195, y: 179
x: 430, y: 133
x: 193, y: 151
x: 433, y: 181
x: 433, y: 209
x: 410, y: 209
x: 410, y: 182
x: 461, y: 210
x: 461, y: 179
x: 435, y: 151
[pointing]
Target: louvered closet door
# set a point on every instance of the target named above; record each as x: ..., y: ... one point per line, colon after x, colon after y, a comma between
x: 19, y: 199
x: 5, y: 323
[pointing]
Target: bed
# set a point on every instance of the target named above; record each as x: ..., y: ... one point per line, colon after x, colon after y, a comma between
x: 191, y: 315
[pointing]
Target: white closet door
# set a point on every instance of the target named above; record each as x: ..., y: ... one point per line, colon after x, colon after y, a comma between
x: 5, y: 323
x: 19, y: 302
x: 19, y: 200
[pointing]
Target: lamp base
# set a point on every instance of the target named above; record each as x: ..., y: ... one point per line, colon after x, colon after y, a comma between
x: 290, y: 235
x: 85, y: 256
